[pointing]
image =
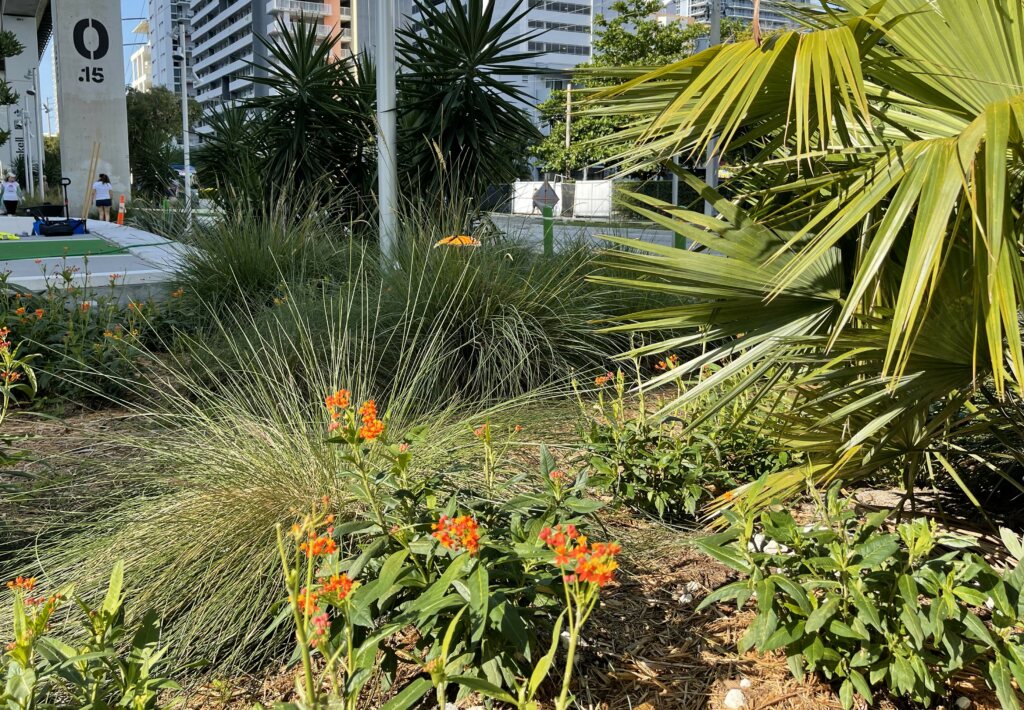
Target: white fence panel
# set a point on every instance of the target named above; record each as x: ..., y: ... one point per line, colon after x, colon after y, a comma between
x: 593, y: 198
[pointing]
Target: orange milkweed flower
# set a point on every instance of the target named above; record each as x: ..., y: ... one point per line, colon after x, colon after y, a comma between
x: 25, y: 584
x: 40, y: 313
x: 316, y: 546
x: 10, y: 376
x: 178, y: 293
x: 339, y: 584
x: 19, y: 311
x: 602, y: 380
x: 481, y: 430
x: 86, y: 306
x: 307, y: 600
x: 372, y: 427
x: 591, y: 564
x: 458, y: 533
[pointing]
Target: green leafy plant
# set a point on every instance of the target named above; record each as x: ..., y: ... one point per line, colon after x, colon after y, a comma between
x: 643, y: 459
x: 68, y: 329
x: 872, y: 605
x: 97, y: 672
x: 471, y: 583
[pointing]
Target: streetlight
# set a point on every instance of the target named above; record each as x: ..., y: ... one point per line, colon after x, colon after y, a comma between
x: 181, y: 55
x: 387, y: 139
x: 711, y: 162
x: 27, y: 135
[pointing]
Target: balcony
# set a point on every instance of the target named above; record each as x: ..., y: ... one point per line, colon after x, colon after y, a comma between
x: 300, y: 7
x: 322, y: 31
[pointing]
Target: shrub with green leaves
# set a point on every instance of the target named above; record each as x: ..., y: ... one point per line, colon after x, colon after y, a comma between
x: 658, y: 463
x: 870, y: 605
x: 101, y: 668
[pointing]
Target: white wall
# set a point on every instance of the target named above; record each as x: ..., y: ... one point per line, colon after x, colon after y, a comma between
x: 90, y: 94
x: 24, y: 28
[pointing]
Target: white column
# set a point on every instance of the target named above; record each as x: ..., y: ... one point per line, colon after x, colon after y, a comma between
x: 387, y: 165
x: 18, y: 69
x: 90, y: 95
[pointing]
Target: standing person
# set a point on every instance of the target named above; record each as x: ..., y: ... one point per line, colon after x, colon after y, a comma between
x: 12, y: 195
x: 103, y: 191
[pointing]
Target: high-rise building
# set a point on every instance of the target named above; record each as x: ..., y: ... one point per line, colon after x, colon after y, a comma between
x: 773, y: 13
x: 166, y: 17
x: 142, y: 60
x: 226, y: 38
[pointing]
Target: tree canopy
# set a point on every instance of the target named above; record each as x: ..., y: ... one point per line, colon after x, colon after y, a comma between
x: 630, y: 36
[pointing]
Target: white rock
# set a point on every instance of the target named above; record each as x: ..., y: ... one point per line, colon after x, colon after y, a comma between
x: 745, y: 684
x: 685, y: 598
x: 962, y: 703
x: 772, y: 548
x: 451, y: 706
x: 990, y: 604
x: 757, y: 543
x: 693, y: 587
x: 734, y: 699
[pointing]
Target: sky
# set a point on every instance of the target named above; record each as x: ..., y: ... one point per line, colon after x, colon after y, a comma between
x: 129, y: 9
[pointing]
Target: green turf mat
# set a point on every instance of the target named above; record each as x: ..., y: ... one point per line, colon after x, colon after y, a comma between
x: 37, y: 249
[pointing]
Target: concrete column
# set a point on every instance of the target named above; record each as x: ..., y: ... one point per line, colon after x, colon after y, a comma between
x: 91, y: 95
x: 24, y: 28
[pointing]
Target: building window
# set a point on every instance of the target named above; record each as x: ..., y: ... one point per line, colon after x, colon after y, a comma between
x: 561, y: 26
x: 557, y: 48
x: 576, y: 8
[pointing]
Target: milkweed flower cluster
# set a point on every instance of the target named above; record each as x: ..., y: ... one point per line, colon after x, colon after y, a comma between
x: 372, y: 426
x: 669, y: 363
x: 602, y: 380
x: 336, y: 405
x: 583, y: 562
x: 586, y: 568
x: 458, y: 533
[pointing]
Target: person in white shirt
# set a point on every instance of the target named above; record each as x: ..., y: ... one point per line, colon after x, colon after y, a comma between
x: 12, y: 195
x: 103, y: 191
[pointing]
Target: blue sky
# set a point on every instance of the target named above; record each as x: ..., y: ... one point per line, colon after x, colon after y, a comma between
x: 129, y: 9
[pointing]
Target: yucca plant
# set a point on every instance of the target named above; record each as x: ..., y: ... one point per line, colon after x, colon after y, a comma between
x: 869, y: 268
x: 458, y: 109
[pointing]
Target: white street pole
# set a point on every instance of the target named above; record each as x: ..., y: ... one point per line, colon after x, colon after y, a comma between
x: 40, y: 145
x: 184, y: 124
x: 711, y: 162
x: 26, y: 137
x: 387, y: 137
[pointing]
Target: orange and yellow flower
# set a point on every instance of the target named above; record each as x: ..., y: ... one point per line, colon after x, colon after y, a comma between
x: 339, y: 585
x: 316, y: 545
x: 459, y: 533
x: 372, y: 427
x: 336, y: 404
x: 39, y: 313
x: 602, y: 380
x: 24, y: 584
x: 581, y: 561
x: 19, y: 311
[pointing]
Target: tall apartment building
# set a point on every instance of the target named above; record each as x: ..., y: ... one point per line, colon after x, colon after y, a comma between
x: 166, y: 18
x: 773, y: 16
x: 225, y: 38
x: 142, y: 60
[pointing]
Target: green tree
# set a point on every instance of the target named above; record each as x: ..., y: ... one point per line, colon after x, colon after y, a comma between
x: 461, y: 123
x: 154, y: 121
x: 631, y: 37
x: 870, y: 280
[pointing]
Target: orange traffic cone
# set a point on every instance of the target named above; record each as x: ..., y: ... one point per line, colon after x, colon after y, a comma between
x: 120, y: 211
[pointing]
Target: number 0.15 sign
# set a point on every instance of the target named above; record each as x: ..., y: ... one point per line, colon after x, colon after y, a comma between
x: 90, y: 93
x: 92, y: 42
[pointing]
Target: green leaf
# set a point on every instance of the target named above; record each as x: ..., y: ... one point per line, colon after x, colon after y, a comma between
x: 999, y: 674
x: 821, y: 615
x: 479, y: 599
x: 876, y: 550
x: 540, y: 671
x: 484, y: 687
x: 112, y: 601
x: 860, y: 684
x: 410, y: 695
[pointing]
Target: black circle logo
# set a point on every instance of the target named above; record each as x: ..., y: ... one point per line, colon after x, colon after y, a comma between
x: 102, y: 39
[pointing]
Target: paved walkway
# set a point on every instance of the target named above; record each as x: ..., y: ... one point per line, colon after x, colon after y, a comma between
x: 144, y: 270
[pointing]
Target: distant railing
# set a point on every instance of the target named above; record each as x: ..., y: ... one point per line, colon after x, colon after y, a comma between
x: 301, y: 6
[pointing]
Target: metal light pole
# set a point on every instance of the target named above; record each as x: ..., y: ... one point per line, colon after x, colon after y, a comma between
x: 40, y: 145
x: 387, y: 136
x: 184, y: 124
x: 711, y: 162
x: 26, y: 133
